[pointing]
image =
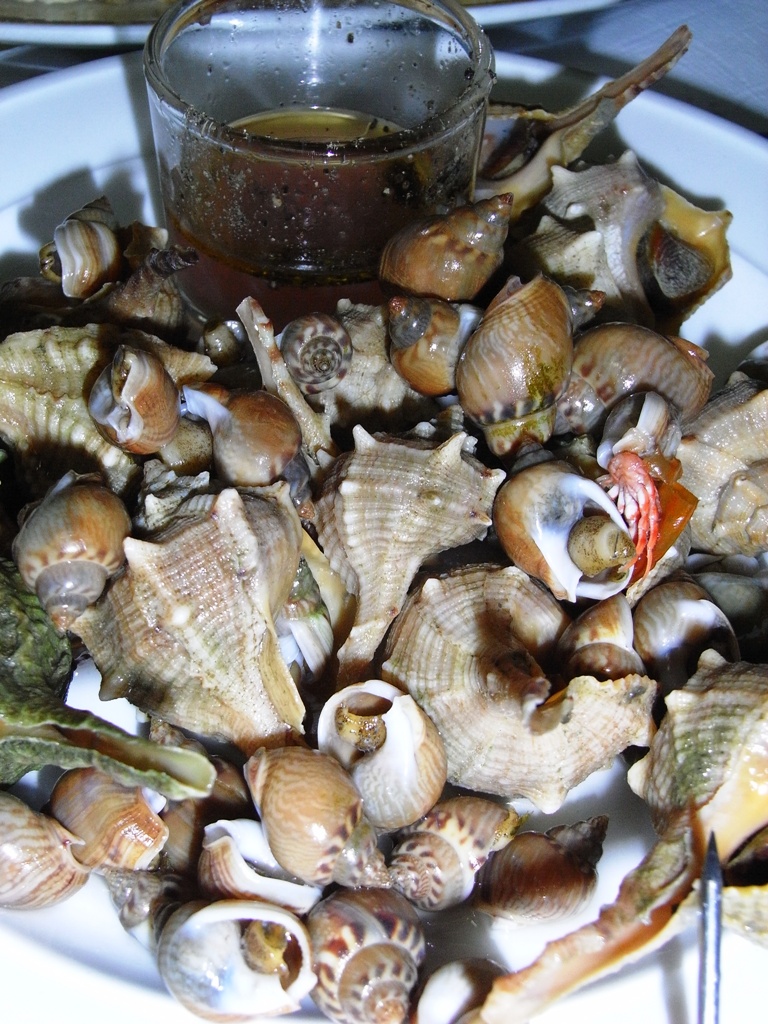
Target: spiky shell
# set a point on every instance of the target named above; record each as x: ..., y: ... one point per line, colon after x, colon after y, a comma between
x: 187, y: 632
x: 386, y: 507
x: 488, y: 698
x: 709, y: 754
x: 46, y: 377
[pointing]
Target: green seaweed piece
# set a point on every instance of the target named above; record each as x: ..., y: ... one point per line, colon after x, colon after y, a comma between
x: 37, y: 728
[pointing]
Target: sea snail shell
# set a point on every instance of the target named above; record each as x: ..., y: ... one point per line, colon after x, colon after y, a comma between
x: 37, y: 866
x: 70, y: 544
x: 85, y: 252
x: 390, y: 748
x: 516, y: 364
x: 235, y: 959
x: 255, y: 435
x: 367, y: 946
x: 118, y: 825
x: 426, y: 339
x: 135, y: 403
x: 313, y: 817
x: 449, y: 257
x: 317, y: 350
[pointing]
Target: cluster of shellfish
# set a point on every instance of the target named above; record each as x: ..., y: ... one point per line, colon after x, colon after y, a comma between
x: 387, y: 573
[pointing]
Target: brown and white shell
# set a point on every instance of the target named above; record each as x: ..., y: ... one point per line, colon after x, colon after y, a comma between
x: 313, y: 817
x: 503, y: 731
x: 187, y: 632
x: 383, y: 510
x: 435, y: 861
x: 367, y: 945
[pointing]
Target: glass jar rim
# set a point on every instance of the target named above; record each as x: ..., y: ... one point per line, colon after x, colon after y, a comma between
x: 450, y: 14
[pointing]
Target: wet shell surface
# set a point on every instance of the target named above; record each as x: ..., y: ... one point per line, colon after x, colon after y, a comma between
x: 541, y: 876
x: 367, y: 945
x: 450, y: 257
x: 491, y: 703
x: 390, y: 748
x: 119, y: 826
x: 37, y: 864
x: 426, y: 339
x: 317, y: 350
x: 85, y: 252
x: 313, y: 817
x: 187, y: 632
x: 544, y: 516
x: 516, y: 364
x: 70, y: 544
x: 227, y: 960
x: 383, y: 510
x: 434, y: 861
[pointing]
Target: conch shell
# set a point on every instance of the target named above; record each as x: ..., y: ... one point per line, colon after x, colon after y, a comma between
x: 384, y: 509
x: 187, y: 632
x: 453, y: 647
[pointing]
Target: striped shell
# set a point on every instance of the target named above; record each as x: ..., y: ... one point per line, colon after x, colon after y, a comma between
x: 384, y: 509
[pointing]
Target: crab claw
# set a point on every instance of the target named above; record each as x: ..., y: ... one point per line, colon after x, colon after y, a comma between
x: 630, y: 485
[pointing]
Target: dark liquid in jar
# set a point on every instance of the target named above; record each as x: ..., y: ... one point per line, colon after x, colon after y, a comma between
x: 298, y: 234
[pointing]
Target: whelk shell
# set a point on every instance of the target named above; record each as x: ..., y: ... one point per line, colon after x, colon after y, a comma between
x: 187, y: 631
x: 390, y: 747
x: 383, y: 510
x: 454, y: 649
x: 367, y: 945
x: 37, y: 865
x: 313, y: 817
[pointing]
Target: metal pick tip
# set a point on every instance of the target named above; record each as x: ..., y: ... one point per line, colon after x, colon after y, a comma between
x: 710, y: 935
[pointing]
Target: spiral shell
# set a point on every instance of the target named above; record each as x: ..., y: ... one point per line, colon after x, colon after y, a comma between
x: 255, y: 436
x: 37, y: 866
x: 427, y: 337
x: 317, y: 350
x: 390, y: 747
x: 541, y: 876
x: 70, y: 544
x: 614, y: 359
x: 544, y: 520
x: 516, y: 364
x: 599, y: 642
x: 434, y: 861
x: 453, y: 991
x: 228, y: 960
x: 117, y: 824
x: 367, y: 947
x: 313, y: 817
x: 135, y: 403
x: 449, y: 257
x: 85, y: 252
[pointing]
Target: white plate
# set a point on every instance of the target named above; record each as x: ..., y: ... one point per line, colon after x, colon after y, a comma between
x: 528, y: 10
x: 73, y: 963
x: 94, y: 23
x: 26, y: 28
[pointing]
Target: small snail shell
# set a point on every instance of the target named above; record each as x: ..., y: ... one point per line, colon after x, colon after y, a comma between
x: 535, y: 513
x: 390, y: 748
x: 70, y: 544
x: 450, y: 257
x: 599, y: 642
x: 255, y: 436
x: 117, y: 824
x: 317, y: 350
x: 427, y: 337
x: 37, y: 866
x: 367, y: 947
x: 313, y: 817
x: 85, y: 252
x: 517, y: 363
x: 540, y: 876
x: 135, y: 403
x: 435, y: 860
x: 234, y: 960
